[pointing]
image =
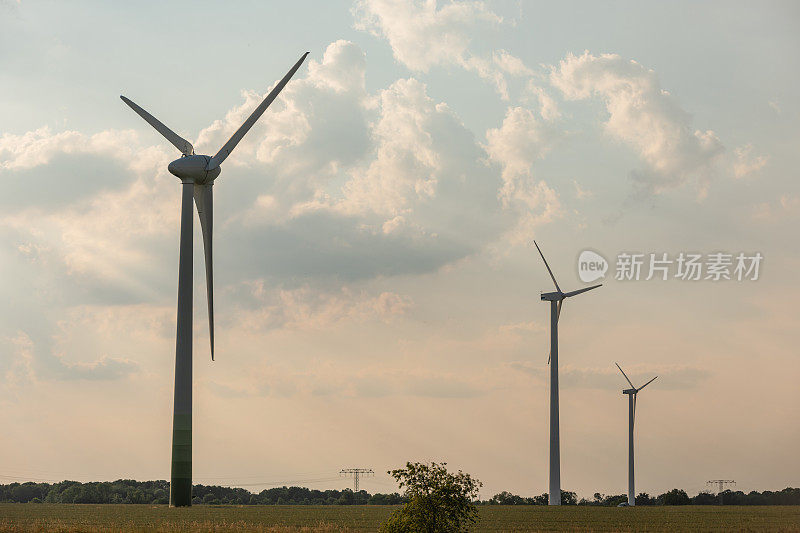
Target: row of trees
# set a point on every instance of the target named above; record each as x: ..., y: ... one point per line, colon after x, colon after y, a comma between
x: 157, y: 492
x: 788, y: 496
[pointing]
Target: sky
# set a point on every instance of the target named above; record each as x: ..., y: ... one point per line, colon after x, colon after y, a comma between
x: 377, y: 290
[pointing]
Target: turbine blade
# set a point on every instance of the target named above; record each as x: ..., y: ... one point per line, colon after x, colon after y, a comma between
x: 226, y: 150
x: 624, y: 374
x: 179, y: 142
x: 548, y: 267
x: 574, y: 293
x: 646, y: 384
x: 204, y: 200
x: 558, y: 317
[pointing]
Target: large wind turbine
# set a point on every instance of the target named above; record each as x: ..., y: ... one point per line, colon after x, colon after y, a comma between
x: 632, y: 392
x: 555, y: 298
x: 197, y: 174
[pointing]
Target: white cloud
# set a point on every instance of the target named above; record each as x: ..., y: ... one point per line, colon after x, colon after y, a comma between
x: 342, y: 186
x: 746, y: 163
x: 421, y: 33
x: 515, y: 146
x: 38, y: 147
x: 406, y: 165
x: 644, y: 116
x: 548, y: 108
x: 424, y: 34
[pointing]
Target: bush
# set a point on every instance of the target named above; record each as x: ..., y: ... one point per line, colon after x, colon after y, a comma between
x: 438, y: 501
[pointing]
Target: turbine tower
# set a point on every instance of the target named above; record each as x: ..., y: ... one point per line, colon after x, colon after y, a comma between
x: 555, y: 298
x: 632, y: 392
x: 197, y: 174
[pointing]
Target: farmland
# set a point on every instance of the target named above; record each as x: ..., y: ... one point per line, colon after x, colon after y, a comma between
x: 89, y: 518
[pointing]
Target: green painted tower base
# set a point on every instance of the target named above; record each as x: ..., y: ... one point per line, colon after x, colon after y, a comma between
x: 180, y: 488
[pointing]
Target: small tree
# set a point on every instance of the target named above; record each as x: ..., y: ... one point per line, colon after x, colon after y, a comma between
x: 438, y: 501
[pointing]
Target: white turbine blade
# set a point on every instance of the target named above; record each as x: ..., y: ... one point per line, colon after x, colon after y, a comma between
x: 646, y: 384
x: 179, y: 142
x: 204, y: 200
x: 548, y: 267
x: 624, y: 374
x: 574, y: 293
x: 244, y: 128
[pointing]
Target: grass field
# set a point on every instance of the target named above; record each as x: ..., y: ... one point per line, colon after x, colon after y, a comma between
x: 89, y: 518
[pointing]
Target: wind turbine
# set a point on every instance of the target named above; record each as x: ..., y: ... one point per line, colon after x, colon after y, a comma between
x: 197, y: 174
x: 632, y: 392
x: 556, y: 299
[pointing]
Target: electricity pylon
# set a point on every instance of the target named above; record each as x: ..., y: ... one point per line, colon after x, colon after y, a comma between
x: 722, y: 483
x: 356, y: 473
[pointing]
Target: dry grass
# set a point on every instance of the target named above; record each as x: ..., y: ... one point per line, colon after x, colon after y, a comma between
x: 24, y: 518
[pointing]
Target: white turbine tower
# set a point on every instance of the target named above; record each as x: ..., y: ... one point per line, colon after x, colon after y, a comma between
x: 632, y: 392
x: 197, y: 174
x: 555, y: 299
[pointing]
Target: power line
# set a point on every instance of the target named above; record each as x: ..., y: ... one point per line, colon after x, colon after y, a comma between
x: 356, y: 473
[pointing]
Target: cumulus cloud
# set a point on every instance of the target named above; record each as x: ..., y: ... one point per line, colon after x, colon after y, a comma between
x: 333, y: 186
x: 515, y: 146
x: 38, y: 147
x: 421, y: 33
x: 424, y: 34
x: 644, y: 116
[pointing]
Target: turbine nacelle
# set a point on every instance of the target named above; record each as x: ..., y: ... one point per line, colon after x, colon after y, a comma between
x: 629, y: 391
x: 193, y: 168
x: 552, y: 296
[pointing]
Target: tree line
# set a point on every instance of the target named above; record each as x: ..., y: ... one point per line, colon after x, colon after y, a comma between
x: 787, y: 496
x: 157, y: 492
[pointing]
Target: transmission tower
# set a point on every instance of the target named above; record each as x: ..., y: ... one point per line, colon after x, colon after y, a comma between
x: 356, y: 473
x: 721, y: 483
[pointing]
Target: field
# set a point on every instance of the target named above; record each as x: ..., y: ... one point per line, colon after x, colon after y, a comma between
x: 89, y: 518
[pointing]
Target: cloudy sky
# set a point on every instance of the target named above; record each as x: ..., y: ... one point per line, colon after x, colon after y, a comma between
x: 377, y: 292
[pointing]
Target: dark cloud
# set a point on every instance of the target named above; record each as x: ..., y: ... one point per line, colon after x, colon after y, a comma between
x: 63, y: 181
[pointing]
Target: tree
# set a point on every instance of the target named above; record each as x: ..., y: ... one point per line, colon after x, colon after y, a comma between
x: 438, y: 501
x: 644, y: 499
x: 568, y: 497
x: 705, y: 498
x: 674, y: 497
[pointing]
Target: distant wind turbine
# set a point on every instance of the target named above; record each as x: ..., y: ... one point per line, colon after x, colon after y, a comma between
x: 197, y: 174
x: 632, y: 392
x: 555, y: 299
